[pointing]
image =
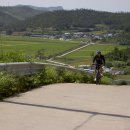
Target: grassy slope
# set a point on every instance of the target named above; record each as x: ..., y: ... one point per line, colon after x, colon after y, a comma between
x: 83, y: 56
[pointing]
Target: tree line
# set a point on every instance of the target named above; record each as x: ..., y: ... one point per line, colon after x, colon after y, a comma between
x: 119, y: 55
x: 81, y: 18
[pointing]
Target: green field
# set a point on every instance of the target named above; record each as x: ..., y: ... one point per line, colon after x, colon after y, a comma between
x: 31, y: 45
x: 84, y: 56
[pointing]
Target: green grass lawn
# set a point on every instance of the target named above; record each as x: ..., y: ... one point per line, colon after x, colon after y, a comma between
x: 31, y: 45
x: 83, y: 56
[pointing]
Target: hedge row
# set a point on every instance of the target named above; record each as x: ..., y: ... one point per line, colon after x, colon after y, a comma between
x: 11, y: 84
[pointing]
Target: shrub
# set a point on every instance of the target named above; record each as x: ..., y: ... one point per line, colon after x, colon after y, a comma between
x: 26, y: 83
x: 15, y: 57
x: 109, y: 75
x: 84, y: 78
x: 68, y: 76
x: 127, y: 71
x: 48, y: 76
x: 8, y: 85
x: 128, y: 63
x: 106, y: 80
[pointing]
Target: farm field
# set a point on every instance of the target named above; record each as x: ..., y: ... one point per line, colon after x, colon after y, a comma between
x: 31, y: 45
x: 84, y: 56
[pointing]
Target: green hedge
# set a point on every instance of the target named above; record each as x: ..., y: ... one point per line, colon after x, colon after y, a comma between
x: 11, y: 84
x: 8, y: 85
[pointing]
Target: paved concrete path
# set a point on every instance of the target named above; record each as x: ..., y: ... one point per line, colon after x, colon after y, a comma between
x: 68, y: 107
x: 75, y: 50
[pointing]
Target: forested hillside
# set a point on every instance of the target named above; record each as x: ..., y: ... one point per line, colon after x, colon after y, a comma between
x: 82, y: 18
x: 20, y: 12
x: 12, y: 14
x: 6, y: 19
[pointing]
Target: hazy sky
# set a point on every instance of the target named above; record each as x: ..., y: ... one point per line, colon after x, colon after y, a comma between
x: 105, y: 5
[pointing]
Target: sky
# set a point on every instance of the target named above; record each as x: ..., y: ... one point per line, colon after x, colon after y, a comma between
x: 102, y: 5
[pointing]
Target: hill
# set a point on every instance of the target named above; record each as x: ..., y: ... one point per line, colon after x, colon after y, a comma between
x: 47, y: 8
x: 72, y: 19
x: 12, y: 14
x: 6, y: 19
x: 20, y: 12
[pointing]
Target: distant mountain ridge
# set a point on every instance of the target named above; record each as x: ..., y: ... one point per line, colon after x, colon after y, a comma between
x: 22, y: 17
x: 44, y: 8
x: 71, y: 19
x: 11, y: 14
x: 20, y: 13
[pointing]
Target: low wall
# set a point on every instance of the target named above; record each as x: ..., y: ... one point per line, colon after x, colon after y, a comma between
x: 28, y: 68
x: 22, y: 68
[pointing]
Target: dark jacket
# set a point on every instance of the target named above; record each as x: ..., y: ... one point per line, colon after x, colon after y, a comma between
x: 99, y: 59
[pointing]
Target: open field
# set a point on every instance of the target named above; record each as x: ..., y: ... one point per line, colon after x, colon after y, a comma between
x: 84, y: 56
x: 31, y: 45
